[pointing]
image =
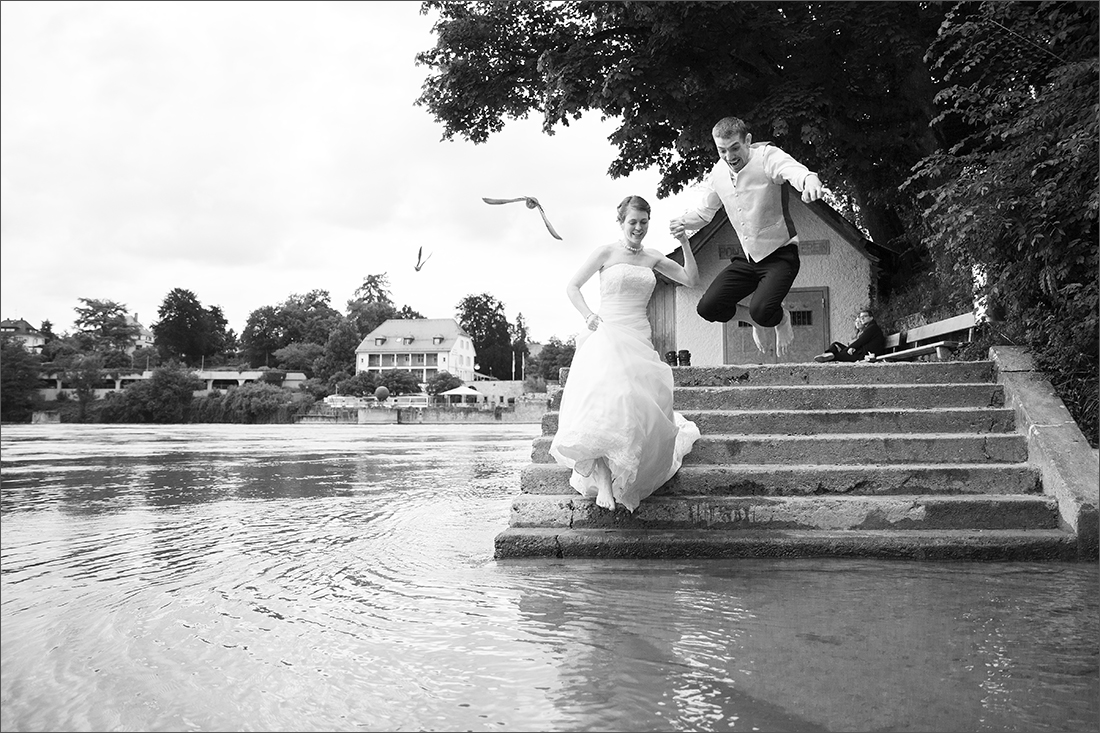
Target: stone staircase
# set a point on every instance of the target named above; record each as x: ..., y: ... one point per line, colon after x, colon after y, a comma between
x: 918, y: 460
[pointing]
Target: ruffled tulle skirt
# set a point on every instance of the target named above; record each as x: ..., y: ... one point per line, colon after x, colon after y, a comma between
x: 617, y: 405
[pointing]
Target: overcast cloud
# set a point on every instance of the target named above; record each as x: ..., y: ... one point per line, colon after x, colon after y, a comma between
x: 250, y: 151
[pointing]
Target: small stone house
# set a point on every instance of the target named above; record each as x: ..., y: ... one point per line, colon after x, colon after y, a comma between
x: 837, y: 277
x: 423, y: 346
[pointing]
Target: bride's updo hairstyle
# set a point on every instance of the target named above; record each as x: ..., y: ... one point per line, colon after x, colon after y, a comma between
x: 632, y: 202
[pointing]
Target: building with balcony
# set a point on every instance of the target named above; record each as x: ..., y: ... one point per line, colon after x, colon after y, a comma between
x: 423, y: 346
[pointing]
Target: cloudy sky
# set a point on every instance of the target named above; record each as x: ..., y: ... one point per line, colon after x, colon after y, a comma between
x: 250, y: 151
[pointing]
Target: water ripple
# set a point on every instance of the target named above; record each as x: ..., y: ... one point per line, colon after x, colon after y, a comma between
x: 341, y: 577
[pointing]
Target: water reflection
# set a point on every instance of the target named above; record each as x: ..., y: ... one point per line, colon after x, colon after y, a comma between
x: 340, y: 577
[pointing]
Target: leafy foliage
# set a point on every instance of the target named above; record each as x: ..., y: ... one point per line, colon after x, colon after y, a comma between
x: 373, y: 305
x: 255, y: 403
x: 189, y: 332
x: 841, y: 86
x: 337, y: 358
x: 145, y: 358
x: 163, y: 398
x: 442, y: 382
x: 1016, y: 199
x: 19, y: 368
x: 399, y: 381
x: 299, y: 319
x: 298, y: 357
x: 263, y: 335
x: 362, y: 384
x: 375, y: 289
x: 84, y: 374
x: 104, y: 324
x: 554, y: 355
x: 482, y: 316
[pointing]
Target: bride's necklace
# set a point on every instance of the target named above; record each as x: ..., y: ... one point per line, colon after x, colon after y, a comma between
x: 631, y: 250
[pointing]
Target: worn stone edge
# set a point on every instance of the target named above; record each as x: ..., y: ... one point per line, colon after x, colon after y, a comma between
x: 1056, y: 446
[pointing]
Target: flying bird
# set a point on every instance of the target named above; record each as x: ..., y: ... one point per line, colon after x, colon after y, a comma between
x: 421, y: 262
x: 532, y: 203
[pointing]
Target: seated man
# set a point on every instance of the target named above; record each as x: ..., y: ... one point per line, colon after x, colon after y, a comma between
x: 869, y: 340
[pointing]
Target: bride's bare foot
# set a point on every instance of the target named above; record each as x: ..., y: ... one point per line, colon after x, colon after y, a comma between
x: 784, y: 333
x: 759, y: 333
x: 604, y: 497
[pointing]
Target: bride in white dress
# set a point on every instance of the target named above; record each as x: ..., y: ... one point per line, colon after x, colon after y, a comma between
x: 616, y: 426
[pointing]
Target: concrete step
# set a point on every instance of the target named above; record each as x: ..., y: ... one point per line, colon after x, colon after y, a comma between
x: 842, y: 449
x: 809, y: 422
x: 838, y: 397
x: 684, y: 544
x: 814, y: 373
x: 792, y: 512
x: 804, y: 480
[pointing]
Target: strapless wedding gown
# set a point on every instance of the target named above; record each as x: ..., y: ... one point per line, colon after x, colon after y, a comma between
x: 617, y: 401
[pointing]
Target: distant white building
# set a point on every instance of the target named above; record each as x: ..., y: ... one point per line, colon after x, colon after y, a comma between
x: 143, y: 337
x: 423, y: 346
x: 31, y: 337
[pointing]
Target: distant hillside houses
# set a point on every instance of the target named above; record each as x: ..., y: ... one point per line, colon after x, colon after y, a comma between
x: 423, y: 346
x: 143, y: 339
x: 31, y: 337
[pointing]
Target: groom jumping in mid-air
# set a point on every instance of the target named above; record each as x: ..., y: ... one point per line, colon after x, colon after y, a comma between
x: 750, y: 180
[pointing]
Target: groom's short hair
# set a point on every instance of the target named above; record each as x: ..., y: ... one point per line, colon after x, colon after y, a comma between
x: 729, y: 127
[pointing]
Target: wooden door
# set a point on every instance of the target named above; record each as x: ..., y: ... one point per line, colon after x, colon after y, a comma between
x: 662, y: 317
x: 809, y: 315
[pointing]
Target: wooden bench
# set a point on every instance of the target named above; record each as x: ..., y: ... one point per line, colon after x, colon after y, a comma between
x: 929, y: 339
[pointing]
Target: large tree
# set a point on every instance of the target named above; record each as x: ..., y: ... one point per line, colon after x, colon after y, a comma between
x: 187, y: 331
x: 302, y: 319
x: 842, y: 86
x: 373, y: 305
x: 103, y: 325
x: 337, y: 359
x: 263, y: 335
x: 482, y: 316
x: 308, y: 318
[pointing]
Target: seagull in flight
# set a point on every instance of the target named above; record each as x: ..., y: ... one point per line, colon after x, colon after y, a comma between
x: 532, y: 203
x: 421, y: 262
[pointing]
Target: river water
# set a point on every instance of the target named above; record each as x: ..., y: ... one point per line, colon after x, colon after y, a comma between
x: 341, y: 577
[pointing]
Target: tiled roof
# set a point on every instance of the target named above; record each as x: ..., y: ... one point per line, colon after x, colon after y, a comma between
x: 18, y: 325
x: 422, y: 331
